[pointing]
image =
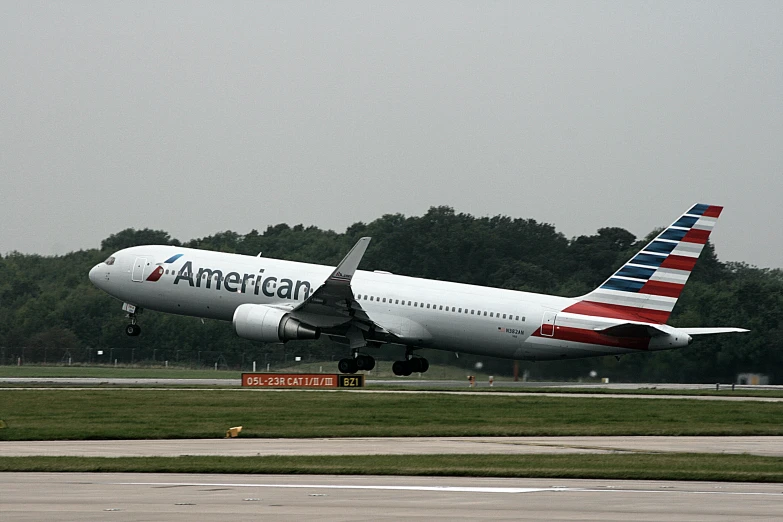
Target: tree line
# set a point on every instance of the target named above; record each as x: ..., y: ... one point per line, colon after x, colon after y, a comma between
x: 49, y: 310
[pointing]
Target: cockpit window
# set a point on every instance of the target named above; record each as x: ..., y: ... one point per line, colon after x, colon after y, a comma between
x: 110, y: 261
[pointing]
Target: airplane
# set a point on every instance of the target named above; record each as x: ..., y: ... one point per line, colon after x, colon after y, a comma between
x: 275, y: 301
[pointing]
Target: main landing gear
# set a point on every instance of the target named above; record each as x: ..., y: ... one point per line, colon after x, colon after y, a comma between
x: 356, y: 363
x: 360, y: 362
x: 410, y: 364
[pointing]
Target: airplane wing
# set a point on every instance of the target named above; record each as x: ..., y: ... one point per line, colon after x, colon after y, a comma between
x: 333, y: 302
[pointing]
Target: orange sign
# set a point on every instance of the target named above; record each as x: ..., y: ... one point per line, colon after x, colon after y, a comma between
x: 301, y: 380
x: 289, y: 380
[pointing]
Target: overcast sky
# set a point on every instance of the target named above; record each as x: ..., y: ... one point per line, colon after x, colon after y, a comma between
x: 199, y: 117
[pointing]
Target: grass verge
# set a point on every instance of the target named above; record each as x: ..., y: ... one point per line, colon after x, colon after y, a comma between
x: 57, y: 414
x: 677, y: 466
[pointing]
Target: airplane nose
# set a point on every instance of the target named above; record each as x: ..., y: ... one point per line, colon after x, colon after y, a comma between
x: 94, y: 274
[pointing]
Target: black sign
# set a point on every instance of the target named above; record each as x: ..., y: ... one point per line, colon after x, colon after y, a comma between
x: 350, y: 381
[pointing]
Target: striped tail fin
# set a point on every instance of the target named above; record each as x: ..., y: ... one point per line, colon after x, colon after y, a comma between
x: 647, y: 287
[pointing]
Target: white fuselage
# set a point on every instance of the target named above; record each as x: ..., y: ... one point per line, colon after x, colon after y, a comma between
x: 418, y: 312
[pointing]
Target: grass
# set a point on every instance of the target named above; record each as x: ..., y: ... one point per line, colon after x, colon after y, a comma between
x: 122, y: 372
x: 79, y: 414
x: 382, y: 371
x: 675, y: 466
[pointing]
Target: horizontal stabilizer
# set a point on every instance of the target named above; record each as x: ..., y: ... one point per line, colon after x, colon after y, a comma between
x: 636, y: 330
x: 706, y: 331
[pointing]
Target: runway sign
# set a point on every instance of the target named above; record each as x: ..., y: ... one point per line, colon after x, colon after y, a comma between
x: 302, y: 380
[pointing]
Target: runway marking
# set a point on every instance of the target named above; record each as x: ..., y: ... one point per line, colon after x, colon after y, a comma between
x: 452, y: 489
x: 448, y: 489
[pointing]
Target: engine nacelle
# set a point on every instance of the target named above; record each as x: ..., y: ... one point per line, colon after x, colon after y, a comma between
x: 270, y: 325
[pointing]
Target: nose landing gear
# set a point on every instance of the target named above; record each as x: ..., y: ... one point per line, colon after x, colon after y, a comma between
x: 132, y: 329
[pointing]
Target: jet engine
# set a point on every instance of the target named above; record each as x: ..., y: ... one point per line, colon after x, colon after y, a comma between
x: 270, y: 325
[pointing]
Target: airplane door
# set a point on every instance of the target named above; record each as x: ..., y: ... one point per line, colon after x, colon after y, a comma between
x: 138, y: 269
x: 548, y: 324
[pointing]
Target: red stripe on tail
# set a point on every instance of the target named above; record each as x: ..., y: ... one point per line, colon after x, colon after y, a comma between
x: 696, y: 235
x: 615, y: 311
x: 679, y: 262
x: 662, y: 288
x: 713, y: 211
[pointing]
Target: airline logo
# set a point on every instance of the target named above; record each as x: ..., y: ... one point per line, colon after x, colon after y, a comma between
x: 270, y: 286
x: 647, y: 287
x: 159, y: 270
x: 339, y: 276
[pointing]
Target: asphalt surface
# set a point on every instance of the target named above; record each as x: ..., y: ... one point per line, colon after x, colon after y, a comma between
x: 123, y: 497
x: 765, y: 446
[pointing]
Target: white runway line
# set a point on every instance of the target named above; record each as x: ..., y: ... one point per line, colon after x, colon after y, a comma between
x: 445, y: 489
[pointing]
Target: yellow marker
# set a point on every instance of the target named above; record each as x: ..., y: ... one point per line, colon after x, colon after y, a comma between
x: 233, y: 432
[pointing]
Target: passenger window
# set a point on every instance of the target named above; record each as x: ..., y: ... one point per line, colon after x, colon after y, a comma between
x: 441, y: 307
x: 504, y: 316
x: 396, y: 301
x: 472, y: 312
x: 371, y: 298
x: 460, y: 310
x: 384, y: 299
x: 485, y: 314
x: 428, y: 305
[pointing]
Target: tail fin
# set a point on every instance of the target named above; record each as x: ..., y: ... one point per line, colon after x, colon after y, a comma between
x: 647, y: 287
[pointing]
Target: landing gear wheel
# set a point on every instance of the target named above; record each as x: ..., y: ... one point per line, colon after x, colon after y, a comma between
x: 133, y: 330
x: 365, y: 362
x: 419, y: 364
x: 347, y: 366
x: 402, y: 368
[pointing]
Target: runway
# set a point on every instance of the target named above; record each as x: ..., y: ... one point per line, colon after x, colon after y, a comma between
x: 195, y: 498
x: 402, y: 382
x: 207, y: 385
x: 769, y: 446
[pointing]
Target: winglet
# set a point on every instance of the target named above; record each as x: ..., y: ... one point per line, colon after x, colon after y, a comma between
x: 347, y: 267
